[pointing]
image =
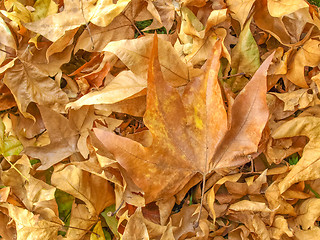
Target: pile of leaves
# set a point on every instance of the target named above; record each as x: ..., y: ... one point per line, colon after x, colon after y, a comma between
x: 140, y: 119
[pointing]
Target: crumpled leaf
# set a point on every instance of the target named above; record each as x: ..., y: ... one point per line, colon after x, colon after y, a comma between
x: 95, y: 191
x: 308, y: 55
x: 308, y: 165
x: 63, y: 143
x: 280, y: 227
x: 30, y: 226
x: 308, y: 213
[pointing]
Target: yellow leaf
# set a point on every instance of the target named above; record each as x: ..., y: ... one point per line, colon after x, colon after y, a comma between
x: 278, y: 8
x: 97, y: 233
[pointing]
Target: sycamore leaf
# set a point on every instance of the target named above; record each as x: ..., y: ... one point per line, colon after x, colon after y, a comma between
x: 249, y: 115
x: 111, y: 220
x: 36, y: 195
x: 308, y: 213
x: 97, y: 233
x: 120, y: 28
x: 29, y: 84
x: 280, y: 227
x: 7, y: 38
x: 44, y: 8
x: 172, y: 128
x: 82, y: 221
x: 189, y: 132
x: 63, y: 139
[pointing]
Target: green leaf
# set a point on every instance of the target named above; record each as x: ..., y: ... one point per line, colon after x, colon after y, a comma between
x: 12, y: 146
x: 34, y: 161
x: 245, y: 58
x: 9, y: 145
x: 293, y: 159
x: 64, y: 201
x: 111, y: 221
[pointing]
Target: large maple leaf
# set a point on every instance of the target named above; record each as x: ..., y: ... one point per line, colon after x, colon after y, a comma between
x: 188, y: 130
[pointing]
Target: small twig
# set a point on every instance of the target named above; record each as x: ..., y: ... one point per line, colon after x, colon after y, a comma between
x: 86, y: 230
x: 132, y: 23
x: 111, y: 214
x: 234, y: 75
x: 5, y: 51
x: 87, y: 25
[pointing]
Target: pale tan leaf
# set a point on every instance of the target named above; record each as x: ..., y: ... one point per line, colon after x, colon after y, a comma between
x: 75, y: 14
x: 30, y: 226
x: 308, y: 212
x: 240, y: 9
x: 123, y: 86
x: 135, y: 54
x: 308, y: 165
x: 283, y: 7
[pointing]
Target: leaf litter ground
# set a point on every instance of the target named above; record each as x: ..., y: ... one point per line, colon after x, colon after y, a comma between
x: 159, y: 119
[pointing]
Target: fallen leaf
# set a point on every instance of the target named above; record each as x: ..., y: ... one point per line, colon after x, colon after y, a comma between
x: 169, y: 129
x: 30, y: 226
x: 125, y: 85
x: 29, y: 84
x: 240, y: 9
x: 284, y: 7
x: 62, y: 143
x: 247, y: 122
x: 75, y: 14
x: 95, y: 191
x: 135, y: 54
x: 306, y: 168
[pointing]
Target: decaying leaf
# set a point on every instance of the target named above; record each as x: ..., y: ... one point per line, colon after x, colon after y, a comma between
x: 142, y: 119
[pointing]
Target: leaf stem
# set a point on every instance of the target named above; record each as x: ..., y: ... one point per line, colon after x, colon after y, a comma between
x: 111, y: 214
x: 132, y: 23
x: 196, y: 224
x: 234, y: 75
